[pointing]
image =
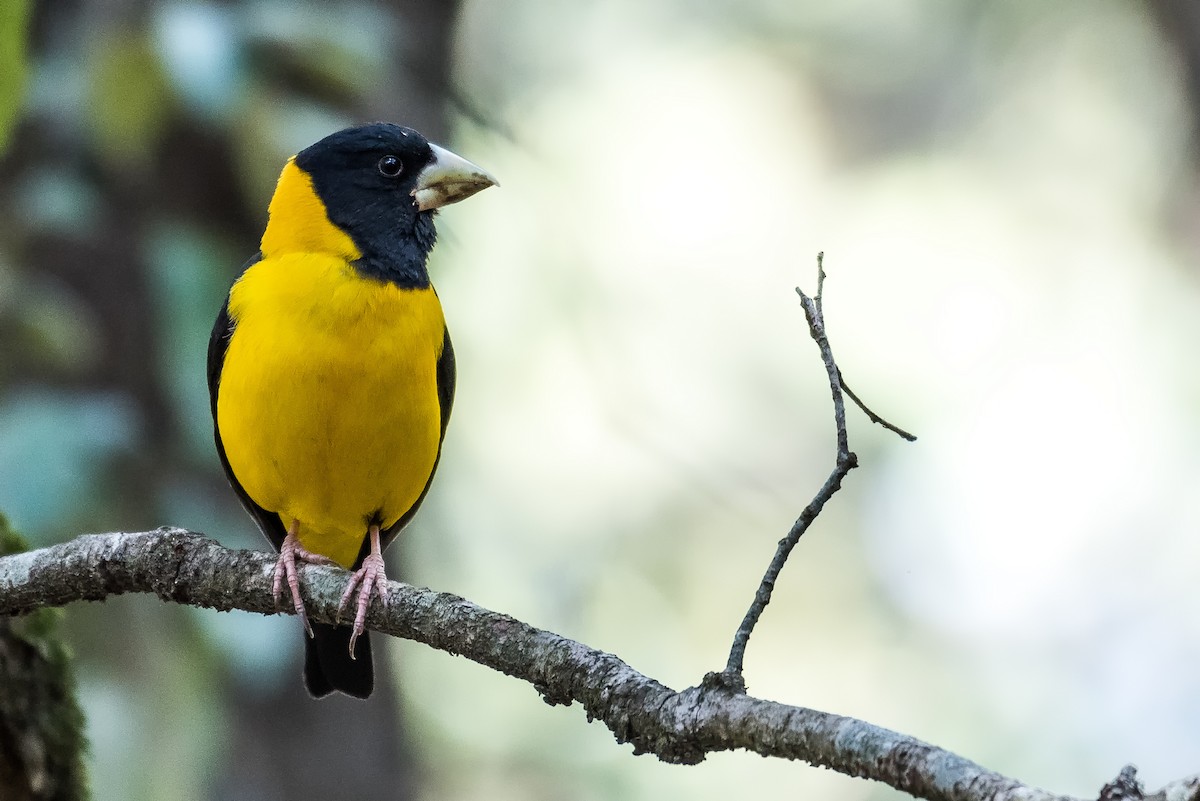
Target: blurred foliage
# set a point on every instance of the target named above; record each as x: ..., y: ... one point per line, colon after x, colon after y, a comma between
x: 129, y: 100
x: 14, y: 19
x: 42, y: 739
x: 65, y: 440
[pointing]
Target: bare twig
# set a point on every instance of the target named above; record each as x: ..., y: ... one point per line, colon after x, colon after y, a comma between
x: 874, y: 418
x: 845, y: 462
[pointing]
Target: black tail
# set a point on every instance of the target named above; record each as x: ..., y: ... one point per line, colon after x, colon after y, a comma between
x: 328, y: 666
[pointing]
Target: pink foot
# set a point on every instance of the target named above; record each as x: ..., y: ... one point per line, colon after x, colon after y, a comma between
x: 285, y: 567
x: 371, y: 577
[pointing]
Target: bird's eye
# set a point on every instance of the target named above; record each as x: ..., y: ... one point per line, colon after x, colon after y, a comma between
x: 390, y: 166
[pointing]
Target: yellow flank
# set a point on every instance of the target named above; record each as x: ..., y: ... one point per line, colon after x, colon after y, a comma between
x: 298, y: 221
x: 328, y: 405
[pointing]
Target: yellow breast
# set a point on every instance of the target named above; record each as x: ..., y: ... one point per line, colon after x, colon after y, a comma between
x: 328, y: 405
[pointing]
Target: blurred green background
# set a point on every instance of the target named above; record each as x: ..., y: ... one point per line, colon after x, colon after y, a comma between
x: 1007, y: 196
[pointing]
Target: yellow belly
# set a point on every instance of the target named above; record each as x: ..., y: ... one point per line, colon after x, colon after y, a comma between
x: 328, y: 405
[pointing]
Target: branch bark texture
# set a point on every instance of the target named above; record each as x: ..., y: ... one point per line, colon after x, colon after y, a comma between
x: 677, y: 726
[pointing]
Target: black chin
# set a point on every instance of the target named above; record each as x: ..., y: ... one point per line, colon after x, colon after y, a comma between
x: 399, y: 257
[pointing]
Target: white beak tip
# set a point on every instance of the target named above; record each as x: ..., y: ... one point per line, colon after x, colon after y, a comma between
x: 448, y: 179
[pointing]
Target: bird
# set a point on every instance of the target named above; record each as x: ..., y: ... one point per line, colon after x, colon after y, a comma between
x: 331, y: 373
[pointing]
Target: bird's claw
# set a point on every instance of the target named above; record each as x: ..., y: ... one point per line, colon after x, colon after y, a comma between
x: 285, y: 571
x: 369, y: 577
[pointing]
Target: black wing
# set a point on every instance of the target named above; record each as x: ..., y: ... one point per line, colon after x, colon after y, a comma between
x: 218, y: 343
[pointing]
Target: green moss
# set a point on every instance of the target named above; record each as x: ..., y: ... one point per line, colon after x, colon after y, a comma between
x: 10, y: 541
x: 41, y: 726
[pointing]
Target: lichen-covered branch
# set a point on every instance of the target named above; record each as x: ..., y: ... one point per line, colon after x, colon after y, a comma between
x: 677, y: 726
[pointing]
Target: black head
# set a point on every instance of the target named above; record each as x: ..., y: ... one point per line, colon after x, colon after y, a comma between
x: 380, y: 184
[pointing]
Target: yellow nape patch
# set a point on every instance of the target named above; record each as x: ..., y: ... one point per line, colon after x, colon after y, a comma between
x: 328, y: 405
x: 299, y: 222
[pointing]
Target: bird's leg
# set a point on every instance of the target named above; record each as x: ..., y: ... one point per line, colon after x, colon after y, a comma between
x: 285, y: 568
x: 370, y: 576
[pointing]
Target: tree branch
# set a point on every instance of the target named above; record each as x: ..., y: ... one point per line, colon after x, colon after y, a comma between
x: 680, y: 727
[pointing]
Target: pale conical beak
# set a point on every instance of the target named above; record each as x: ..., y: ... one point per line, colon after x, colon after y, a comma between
x: 448, y: 179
